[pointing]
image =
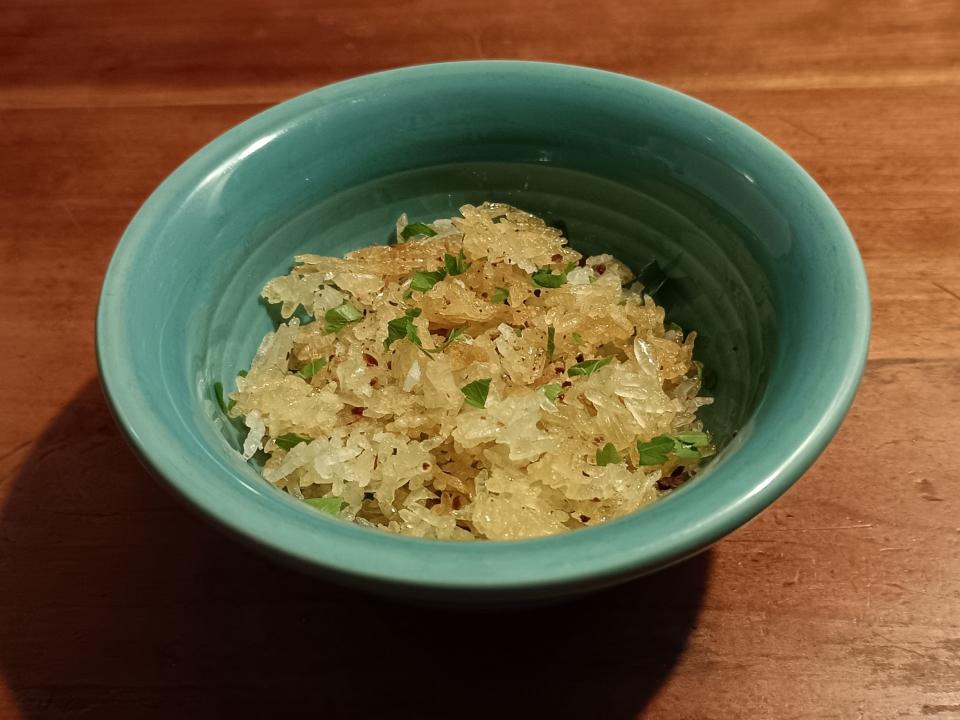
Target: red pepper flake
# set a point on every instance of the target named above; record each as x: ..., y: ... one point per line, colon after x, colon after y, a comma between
x: 425, y: 466
x: 566, y: 383
x: 536, y: 293
x: 371, y: 360
x: 559, y: 370
x: 580, y: 358
x: 584, y: 518
x: 357, y: 410
x: 557, y: 258
x: 601, y: 268
x: 483, y: 295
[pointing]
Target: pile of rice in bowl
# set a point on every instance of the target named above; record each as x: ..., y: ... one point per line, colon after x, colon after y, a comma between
x: 477, y: 379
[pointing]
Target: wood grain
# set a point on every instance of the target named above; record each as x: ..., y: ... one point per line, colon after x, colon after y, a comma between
x: 841, y: 601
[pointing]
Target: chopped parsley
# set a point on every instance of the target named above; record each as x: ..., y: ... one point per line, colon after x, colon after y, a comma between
x: 696, y: 438
x: 499, y: 295
x: 332, y: 505
x: 476, y: 392
x: 455, y: 335
x: 552, y: 391
x: 424, y: 280
x: 655, y: 451
x: 455, y: 264
x: 688, y: 444
x: 403, y: 328
x: 551, y: 341
x: 339, y: 317
x: 545, y: 278
x: 311, y: 368
x: 288, y: 441
x: 415, y: 229
x: 683, y: 445
x: 225, y: 406
x: 588, y: 367
x: 607, y: 455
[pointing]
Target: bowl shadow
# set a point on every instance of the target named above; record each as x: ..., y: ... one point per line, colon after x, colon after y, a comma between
x: 116, y: 603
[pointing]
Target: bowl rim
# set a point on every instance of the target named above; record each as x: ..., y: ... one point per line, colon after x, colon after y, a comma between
x: 481, y: 565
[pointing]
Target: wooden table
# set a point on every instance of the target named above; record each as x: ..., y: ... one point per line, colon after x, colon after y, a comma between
x: 841, y: 601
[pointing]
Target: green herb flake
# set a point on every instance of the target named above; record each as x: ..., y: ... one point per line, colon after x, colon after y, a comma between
x: 311, y: 368
x: 685, y: 452
x: 415, y: 229
x: 499, y: 295
x: 577, y: 339
x: 455, y: 264
x: 652, y: 277
x: 455, y: 335
x: 684, y: 446
x: 545, y: 278
x: 697, y: 439
x: 339, y: 317
x: 403, y: 328
x: 225, y: 405
x: 408, y: 294
x: 476, y: 392
x: 687, y: 444
x: 588, y: 367
x: 424, y: 280
x: 655, y: 451
x: 332, y: 505
x: 242, y: 373
x: 552, y: 391
x: 551, y: 341
x: 288, y: 441
x: 608, y: 455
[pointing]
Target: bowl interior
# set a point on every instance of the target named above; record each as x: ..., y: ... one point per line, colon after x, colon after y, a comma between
x: 750, y: 246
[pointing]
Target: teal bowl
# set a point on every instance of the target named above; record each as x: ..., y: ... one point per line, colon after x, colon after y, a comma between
x: 758, y: 261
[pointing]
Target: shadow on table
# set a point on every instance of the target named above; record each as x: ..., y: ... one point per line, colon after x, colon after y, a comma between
x: 116, y: 603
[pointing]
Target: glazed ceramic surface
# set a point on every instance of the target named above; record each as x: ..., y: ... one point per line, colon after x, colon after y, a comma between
x: 758, y: 261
